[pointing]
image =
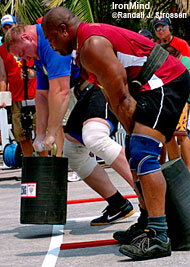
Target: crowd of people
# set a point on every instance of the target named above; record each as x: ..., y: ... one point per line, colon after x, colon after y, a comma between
x: 143, y: 97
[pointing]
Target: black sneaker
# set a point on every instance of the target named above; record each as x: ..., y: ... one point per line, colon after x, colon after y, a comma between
x: 147, y: 246
x: 110, y: 215
x: 125, y: 237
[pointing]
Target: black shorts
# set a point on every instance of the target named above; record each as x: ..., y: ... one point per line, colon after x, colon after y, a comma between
x: 92, y: 104
x: 161, y: 108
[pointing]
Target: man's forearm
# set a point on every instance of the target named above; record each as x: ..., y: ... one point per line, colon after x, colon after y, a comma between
x: 58, y: 100
x: 41, y: 112
x: 3, y: 86
x: 58, y: 105
x: 125, y: 114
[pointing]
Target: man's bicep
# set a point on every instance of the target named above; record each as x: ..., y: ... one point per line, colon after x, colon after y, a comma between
x: 109, y: 72
x: 97, y: 56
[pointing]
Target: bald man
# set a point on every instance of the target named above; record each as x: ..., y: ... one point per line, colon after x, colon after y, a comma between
x: 113, y: 58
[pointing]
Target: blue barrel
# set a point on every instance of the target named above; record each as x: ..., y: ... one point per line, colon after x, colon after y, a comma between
x: 12, y: 155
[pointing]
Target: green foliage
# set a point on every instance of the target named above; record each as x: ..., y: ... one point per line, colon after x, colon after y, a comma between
x: 27, y: 11
x: 81, y: 8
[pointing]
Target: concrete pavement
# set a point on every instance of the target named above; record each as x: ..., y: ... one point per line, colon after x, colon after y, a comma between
x: 38, y: 245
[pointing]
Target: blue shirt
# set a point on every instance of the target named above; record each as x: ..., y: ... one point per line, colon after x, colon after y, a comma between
x: 50, y: 64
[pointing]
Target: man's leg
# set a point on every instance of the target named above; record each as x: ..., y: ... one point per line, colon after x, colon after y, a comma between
x: 173, y: 149
x: 121, y: 166
x: 59, y: 141
x: 145, y: 147
x: 20, y: 135
x: 99, y: 142
x: 125, y: 237
x: 27, y: 148
x: 185, y: 149
x: 96, y: 177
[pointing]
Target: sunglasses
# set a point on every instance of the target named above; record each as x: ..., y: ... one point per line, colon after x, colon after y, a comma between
x: 161, y: 28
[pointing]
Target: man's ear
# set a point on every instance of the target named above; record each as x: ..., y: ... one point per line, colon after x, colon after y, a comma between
x: 26, y: 36
x: 62, y: 28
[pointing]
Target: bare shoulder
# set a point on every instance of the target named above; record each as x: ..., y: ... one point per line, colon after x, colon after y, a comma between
x: 95, y: 49
x: 95, y: 43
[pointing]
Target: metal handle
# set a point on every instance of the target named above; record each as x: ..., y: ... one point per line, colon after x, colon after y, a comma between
x: 54, y: 150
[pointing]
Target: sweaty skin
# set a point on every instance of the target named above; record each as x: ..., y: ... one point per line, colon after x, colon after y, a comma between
x: 121, y: 102
x: 113, y: 78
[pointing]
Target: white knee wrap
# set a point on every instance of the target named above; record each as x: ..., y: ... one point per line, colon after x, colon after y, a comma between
x: 78, y: 158
x: 96, y: 137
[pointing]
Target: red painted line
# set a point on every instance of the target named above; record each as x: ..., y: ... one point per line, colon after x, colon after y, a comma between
x: 77, y: 201
x: 87, y: 244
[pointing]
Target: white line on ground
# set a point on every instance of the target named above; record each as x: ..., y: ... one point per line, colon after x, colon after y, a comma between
x: 57, y: 238
x: 54, y: 247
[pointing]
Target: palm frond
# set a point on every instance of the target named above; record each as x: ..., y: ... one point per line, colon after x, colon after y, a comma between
x: 81, y: 8
x: 29, y: 10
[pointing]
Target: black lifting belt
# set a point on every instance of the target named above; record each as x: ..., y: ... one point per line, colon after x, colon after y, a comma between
x: 156, y: 58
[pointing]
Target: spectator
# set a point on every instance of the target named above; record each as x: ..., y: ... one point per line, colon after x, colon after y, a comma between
x: 181, y: 130
x: 162, y: 31
x: 10, y: 79
x: 146, y: 33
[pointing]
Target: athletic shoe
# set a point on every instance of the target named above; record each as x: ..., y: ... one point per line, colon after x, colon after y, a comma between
x: 110, y: 215
x: 147, y: 246
x: 125, y: 237
x: 73, y: 177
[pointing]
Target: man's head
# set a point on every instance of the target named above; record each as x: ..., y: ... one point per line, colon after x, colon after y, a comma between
x: 172, y: 50
x: 7, y: 22
x: 161, y: 28
x: 146, y: 33
x: 21, y: 41
x: 59, y: 26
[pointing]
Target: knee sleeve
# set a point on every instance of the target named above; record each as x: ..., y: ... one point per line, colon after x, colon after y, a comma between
x: 144, y: 154
x: 96, y: 138
x: 78, y: 158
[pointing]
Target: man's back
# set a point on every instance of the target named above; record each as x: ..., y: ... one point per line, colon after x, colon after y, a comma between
x: 132, y: 51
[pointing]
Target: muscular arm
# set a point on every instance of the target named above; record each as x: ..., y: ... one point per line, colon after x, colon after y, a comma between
x: 3, y: 76
x: 41, y: 118
x: 51, y: 106
x: 42, y: 112
x: 98, y: 57
x: 58, y: 99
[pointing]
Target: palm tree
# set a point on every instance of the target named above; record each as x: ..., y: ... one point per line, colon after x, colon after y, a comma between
x: 26, y: 11
x: 184, y: 6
